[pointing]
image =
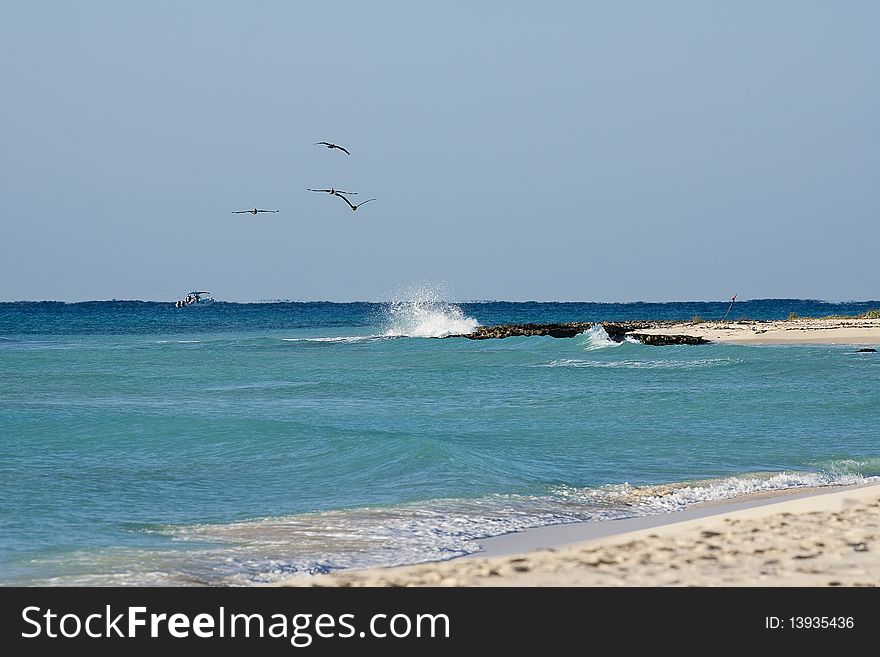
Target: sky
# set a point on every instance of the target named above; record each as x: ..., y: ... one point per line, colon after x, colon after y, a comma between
x: 590, y: 151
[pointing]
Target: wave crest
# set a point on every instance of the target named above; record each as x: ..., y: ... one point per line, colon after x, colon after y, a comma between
x: 423, y: 312
x: 663, y: 364
x: 597, y: 338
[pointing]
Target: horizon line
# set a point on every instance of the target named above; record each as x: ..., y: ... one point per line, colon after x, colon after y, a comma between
x: 466, y: 301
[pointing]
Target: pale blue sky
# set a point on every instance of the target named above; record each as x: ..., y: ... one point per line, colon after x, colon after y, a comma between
x: 610, y: 151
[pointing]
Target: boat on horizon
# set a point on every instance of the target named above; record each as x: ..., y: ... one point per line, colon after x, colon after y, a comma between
x: 194, y: 298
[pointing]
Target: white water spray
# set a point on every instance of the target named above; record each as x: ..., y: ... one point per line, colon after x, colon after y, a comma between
x: 422, y: 311
x: 597, y: 338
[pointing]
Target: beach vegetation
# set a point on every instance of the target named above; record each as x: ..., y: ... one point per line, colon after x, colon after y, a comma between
x: 697, y: 319
x: 793, y: 315
x: 871, y: 314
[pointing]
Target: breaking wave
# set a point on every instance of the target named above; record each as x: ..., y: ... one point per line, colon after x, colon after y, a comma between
x: 270, y: 549
x: 662, y: 364
x: 423, y: 312
x: 342, y: 339
x: 597, y: 338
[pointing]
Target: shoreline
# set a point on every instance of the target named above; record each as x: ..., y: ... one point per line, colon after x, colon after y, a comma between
x: 843, y: 331
x: 562, y: 535
x: 826, y: 330
x: 824, y: 536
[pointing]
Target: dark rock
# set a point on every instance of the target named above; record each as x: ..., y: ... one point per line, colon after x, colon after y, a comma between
x: 663, y: 340
x: 617, y: 331
x: 867, y: 350
x: 565, y: 330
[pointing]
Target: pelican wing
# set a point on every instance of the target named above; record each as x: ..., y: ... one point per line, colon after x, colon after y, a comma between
x: 346, y: 200
x: 319, y: 190
x: 362, y: 202
x: 341, y: 148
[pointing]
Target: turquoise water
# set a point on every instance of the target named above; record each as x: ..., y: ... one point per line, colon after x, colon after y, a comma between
x: 237, y: 443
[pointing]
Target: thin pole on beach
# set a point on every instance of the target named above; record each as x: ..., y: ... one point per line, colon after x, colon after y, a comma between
x: 732, y: 299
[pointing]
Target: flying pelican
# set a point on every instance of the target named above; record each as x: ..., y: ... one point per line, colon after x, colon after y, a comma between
x: 335, y: 192
x: 329, y: 145
x: 254, y: 211
x: 352, y: 206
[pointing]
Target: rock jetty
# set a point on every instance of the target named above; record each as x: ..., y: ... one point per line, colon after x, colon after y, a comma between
x: 566, y: 330
x: 617, y: 331
x: 661, y: 340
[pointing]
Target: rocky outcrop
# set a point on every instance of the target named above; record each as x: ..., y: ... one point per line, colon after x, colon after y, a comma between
x: 617, y: 331
x: 564, y: 330
x: 867, y: 350
x: 662, y: 340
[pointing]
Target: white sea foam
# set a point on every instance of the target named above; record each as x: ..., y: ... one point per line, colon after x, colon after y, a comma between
x: 662, y: 498
x: 268, y: 549
x: 343, y: 339
x: 305, y: 544
x: 869, y: 466
x: 422, y: 311
x: 665, y: 364
x: 733, y: 487
x: 445, y: 528
x: 596, y: 338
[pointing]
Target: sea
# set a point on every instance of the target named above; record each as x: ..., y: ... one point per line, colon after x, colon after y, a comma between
x: 235, y: 444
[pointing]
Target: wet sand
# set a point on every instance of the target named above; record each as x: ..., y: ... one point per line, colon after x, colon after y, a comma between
x: 824, y: 537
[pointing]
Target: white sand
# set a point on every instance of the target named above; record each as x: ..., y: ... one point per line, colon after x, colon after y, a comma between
x: 812, y: 331
x: 820, y: 539
x: 828, y: 539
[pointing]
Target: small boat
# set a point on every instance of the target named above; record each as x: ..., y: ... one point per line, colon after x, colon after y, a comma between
x: 194, y: 298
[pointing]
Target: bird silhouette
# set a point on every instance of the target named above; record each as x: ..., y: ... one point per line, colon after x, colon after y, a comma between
x: 353, y: 206
x: 254, y: 211
x: 335, y: 192
x: 329, y: 145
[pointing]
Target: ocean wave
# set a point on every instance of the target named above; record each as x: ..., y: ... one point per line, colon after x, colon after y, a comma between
x: 36, y: 345
x: 733, y: 487
x: 664, y: 498
x: 423, y: 312
x: 865, y: 467
x: 442, y: 529
x: 663, y: 364
x: 263, y: 385
x: 344, y: 339
x: 266, y: 550
x: 596, y: 338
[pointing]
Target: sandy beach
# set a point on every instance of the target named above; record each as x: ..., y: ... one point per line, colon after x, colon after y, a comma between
x: 828, y: 537
x: 855, y: 331
x: 817, y: 538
